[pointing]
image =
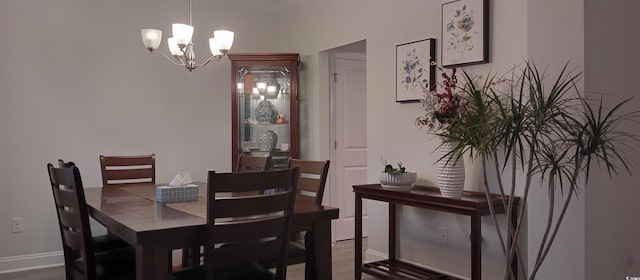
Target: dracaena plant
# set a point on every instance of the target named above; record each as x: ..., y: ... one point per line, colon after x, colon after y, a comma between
x: 544, y: 130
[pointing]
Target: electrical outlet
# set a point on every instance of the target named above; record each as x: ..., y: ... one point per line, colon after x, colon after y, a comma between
x: 443, y: 236
x: 17, y: 225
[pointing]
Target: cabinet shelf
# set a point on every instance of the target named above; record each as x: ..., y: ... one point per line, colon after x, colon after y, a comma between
x: 265, y: 124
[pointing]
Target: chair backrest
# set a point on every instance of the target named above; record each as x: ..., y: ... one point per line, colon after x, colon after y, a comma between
x: 253, y: 163
x: 312, y: 181
x: 123, y: 170
x: 255, y: 228
x: 73, y: 219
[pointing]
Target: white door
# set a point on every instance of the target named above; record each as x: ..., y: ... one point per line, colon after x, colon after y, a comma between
x: 349, y: 156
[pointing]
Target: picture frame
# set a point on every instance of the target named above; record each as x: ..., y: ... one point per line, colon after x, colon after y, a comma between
x: 465, y: 32
x: 415, y: 69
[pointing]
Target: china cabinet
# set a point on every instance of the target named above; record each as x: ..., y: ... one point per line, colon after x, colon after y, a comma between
x: 264, y: 106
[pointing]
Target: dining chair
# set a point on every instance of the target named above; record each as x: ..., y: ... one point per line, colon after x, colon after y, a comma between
x: 191, y: 256
x: 244, y: 231
x: 126, y: 170
x: 101, y: 242
x: 253, y: 163
x: 311, y: 185
x: 80, y: 257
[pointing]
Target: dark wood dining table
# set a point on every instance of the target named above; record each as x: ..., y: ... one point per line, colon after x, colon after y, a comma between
x: 154, y: 229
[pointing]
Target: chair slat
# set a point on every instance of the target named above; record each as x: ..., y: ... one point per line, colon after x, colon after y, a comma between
x: 129, y: 174
x: 247, y: 182
x: 253, y: 163
x: 252, y: 205
x: 128, y: 160
x: 70, y: 218
x: 307, y: 184
x: 244, y: 230
x: 308, y: 166
x: 305, y: 199
x: 73, y: 239
x: 65, y: 198
x: 62, y: 177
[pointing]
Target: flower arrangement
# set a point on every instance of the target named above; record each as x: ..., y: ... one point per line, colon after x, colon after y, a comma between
x: 442, y: 108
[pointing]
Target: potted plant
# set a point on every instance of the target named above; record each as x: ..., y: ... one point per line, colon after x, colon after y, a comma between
x: 542, y: 130
x: 392, y: 177
x: 441, y: 115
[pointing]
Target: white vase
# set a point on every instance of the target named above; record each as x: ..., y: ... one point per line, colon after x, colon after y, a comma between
x: 450, y: 172
x: 267, y: 140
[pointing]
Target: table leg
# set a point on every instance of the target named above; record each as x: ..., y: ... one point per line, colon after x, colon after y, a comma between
x: 476, y: 248
x: 151, y: 263
x: 358, y: 238
x: 318, y: 254
x: 310, y: 255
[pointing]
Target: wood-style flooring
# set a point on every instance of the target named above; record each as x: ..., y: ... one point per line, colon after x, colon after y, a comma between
x: 343, y: 253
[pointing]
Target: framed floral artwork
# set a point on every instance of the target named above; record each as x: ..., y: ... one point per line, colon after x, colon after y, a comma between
x: 415, y: 69
x: 465, y: 32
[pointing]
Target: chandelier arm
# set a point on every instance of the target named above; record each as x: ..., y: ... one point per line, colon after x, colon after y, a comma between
x: 179, y: 63
x: 213, y: 57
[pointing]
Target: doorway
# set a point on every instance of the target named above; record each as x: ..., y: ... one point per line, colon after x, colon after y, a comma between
x: 348, y: 133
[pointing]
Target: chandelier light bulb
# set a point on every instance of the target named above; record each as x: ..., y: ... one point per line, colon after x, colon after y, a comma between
x: 225, y: 39
x: 182, y: 33
x: 151, y: 38
x: 173, y: 47
x: 214, y: 46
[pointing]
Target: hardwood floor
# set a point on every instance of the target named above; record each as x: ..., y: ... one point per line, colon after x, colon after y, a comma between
x: 342, y: 257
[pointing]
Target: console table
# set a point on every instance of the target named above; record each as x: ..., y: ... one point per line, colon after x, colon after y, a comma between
x: 473, y: 204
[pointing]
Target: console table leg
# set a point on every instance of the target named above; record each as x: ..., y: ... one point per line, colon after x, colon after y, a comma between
x: 358, y: 238
x: 392, y: 236
x: 476, y: 248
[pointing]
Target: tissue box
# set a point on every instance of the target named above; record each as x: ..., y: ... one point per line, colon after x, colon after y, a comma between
x: 167, y: 194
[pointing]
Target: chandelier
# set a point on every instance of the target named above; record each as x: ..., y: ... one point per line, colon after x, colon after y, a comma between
x: 181, y: 46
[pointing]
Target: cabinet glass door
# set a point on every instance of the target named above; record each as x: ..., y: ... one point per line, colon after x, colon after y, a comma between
x: 264, y: 112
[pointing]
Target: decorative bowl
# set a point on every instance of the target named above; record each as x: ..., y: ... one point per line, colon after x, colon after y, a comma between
x: 402, y: 179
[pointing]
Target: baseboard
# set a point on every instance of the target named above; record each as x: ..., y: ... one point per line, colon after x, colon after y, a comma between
x: 32, y: 261
x: 374, y: 256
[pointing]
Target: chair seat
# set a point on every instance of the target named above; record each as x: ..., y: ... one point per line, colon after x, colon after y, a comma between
x: 117, y: 264
x: 251, y: 271
x: 108, y: 242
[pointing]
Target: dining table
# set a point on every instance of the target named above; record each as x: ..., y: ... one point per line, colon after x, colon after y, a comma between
x: 154, y: 229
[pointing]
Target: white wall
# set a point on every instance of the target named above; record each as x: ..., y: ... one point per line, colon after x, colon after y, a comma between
x: 611, y: 68
x: 556, y: 36
x: 391, y: 132
x: 76, y: 82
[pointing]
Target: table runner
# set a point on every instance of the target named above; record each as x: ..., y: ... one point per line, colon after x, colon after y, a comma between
x: 196, y: 208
